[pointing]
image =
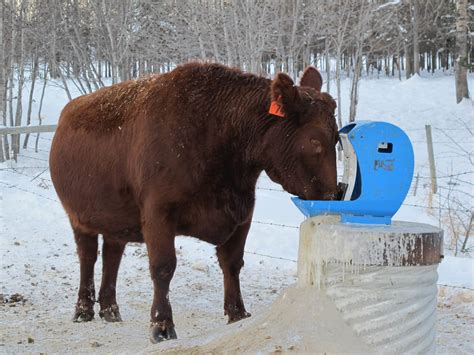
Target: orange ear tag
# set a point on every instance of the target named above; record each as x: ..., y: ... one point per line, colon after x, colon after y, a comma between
x: 276, y: 109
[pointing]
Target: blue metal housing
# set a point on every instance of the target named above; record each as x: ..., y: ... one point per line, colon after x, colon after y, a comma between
x: 385, y: 163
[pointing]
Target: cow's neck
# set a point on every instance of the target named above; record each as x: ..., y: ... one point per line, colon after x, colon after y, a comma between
x: 254, y: 123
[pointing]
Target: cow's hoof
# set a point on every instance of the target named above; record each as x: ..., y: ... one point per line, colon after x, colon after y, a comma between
x: 83, y: 314
x: 236, y: 317
x: 111, y: 313
x: 160, y: 332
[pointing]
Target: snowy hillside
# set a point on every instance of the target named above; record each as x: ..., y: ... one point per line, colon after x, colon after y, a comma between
x: 38, y: 260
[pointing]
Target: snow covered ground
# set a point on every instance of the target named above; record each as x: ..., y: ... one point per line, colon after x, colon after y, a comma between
x: 38, y: 261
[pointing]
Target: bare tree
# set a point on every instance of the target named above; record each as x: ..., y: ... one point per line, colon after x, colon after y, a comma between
x: 362, y: 18
x: 2, y: 81
x: 341, y: 14
x: 461, y: 62
x: 34, y: 74
x: 21, y: 77
x: 416, y: 43
x: 86, y: 43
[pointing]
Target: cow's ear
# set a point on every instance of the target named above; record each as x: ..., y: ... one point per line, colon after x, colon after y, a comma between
x: 285, y: 96
x: 312, y: 78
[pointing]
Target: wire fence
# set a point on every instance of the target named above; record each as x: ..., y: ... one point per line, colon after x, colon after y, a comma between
x: 34, y: 177
x: 467, y: 209
x: 442, y: 205
x: 271, y: 224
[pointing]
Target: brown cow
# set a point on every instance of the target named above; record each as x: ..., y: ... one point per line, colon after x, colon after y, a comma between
x: 180, y: 154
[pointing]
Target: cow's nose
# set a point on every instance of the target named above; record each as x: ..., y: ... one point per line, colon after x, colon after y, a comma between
x: 330, y: 196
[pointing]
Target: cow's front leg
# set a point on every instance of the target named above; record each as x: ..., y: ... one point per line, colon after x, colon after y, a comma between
x: 231, y: 260
x: 159, y: 234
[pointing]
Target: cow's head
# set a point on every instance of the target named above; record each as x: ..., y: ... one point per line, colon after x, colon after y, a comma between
x: 299, y: 148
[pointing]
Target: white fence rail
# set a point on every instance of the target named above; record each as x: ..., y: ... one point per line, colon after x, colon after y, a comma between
x: 27, y: 129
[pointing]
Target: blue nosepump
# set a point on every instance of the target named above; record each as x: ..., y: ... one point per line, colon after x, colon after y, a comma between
x: 378, y: 170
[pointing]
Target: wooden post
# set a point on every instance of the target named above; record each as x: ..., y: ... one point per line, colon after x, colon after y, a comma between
x: 429, y: 141
x: 415, y: 188
x: 468, y: 233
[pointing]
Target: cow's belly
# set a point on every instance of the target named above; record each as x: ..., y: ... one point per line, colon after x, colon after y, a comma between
x: 101, y: 209
x: 211, y: 228
x: 214, y: 224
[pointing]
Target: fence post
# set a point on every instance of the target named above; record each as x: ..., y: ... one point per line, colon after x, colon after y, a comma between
x: 429, y: 141
x: 416, y: 184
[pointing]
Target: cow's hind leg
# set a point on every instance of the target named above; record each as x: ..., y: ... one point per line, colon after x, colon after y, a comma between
x: 231, y: 260
x: 87, y: 252
x: 112, y: 251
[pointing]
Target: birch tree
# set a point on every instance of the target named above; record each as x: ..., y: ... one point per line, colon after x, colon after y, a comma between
x: 2, y: 80
x: 461, y: 62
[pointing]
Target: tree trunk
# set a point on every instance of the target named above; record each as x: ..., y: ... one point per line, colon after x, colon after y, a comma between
x: 338, y: 87
x: 409, y: 70
x: 21, y: 81
x: 228, y: 52
x: 10, y: 80
x: 2, y: 80
x: 416, y: 47
x: 348, y: 65
x: 30, y: 101
x: 2, y: 59
x: 53, y: 64
x: 41, y: 107
x: 355, y: 86
x: 99, y: 69
x: 399, y: 66
x: 462, y: 91
x: 328, y: 66
x: 394, y: 64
